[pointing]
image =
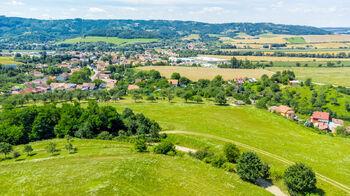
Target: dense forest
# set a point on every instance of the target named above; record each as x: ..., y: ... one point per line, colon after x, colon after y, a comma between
x: 14, y: 29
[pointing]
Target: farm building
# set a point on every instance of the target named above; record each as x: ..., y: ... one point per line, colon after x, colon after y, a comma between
x: 133, y: 87
x: 284, y: 111
x: 294, y: 83
x: 175, y: 83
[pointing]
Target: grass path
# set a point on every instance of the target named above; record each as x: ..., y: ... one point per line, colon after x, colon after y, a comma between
x: 320, y: 176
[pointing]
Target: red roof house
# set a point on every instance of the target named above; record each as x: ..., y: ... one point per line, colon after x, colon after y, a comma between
x: 319, y: 116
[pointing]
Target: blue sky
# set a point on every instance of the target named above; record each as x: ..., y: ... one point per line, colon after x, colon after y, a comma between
x: 319, y: 13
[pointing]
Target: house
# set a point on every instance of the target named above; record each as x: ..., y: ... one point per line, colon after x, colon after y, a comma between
x: 175, y: 83
x: 284, y: 111
x: 133, y: 87
x: 89, y: 86
x: 320, y: 120
x: 138, y: 80
x: 36, y: 73
x: 294, y: 83
x: 334, y: 124
x: 110, y: 83
x: 239, y: 80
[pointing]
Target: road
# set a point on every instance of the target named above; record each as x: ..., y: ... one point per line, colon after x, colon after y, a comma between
x: 319, y: 176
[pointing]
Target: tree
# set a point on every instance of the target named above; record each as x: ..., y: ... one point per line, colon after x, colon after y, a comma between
x: 307, y: 82
x: 250, y: 168
x: 150, y: 98
x: 69, y: 146
x: 187, y: 95
x: 140, y: 145
x: 164, y: 147
x: 175, y: 76
x: 51, y: 148
x: 198, y: 99
x: 220, y: 98
x: 27, y: 149
x: 5, y: 148
x: 135, y: 95
x: 300, y: 179
x: 231, y: 152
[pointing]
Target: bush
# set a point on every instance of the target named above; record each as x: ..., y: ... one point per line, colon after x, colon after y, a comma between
x: 104, y: 135
x: 51, y: 148
x: 164, y: 147
x: 265, y: 171
x: 231, y: 152
x: 201, y: 154
x: 5, y: 148
x: 140, y: 145
x: 16, y: 154
x: 250, y: 168
x: 218, y: 161
x: 300, y: 179
x: 230, y: 167
x: 27, y: 149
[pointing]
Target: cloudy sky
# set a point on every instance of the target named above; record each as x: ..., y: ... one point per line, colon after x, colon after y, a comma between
x: 321, y: 13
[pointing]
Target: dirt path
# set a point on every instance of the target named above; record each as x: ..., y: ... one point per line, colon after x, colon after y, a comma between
x: 319, y: 176
x: 261, y: 182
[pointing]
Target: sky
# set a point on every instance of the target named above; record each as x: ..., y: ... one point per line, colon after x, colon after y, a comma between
x: 320, y: 13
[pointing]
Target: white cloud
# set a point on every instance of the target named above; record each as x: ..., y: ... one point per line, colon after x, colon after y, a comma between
x: 96, y: 10
x: 16, y: 3
x: 278, y: 4
x: 211, y: 9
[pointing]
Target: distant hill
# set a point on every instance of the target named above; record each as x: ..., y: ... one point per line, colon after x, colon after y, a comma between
x: 337, y: 30
x: 14, y: 29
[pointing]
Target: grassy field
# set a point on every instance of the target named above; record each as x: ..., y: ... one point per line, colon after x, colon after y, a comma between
x: 111, y: 168
x: 326, y: 38
x: 296, y: 40
x: 113, y: 40
x: 196, y: 73
x: 280, y: 59
x: 259, y: 129
x: 8, y: 60
x: 337, y: 76
x: 191, y: 37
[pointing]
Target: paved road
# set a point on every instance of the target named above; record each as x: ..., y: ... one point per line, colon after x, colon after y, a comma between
x: 319, y: 176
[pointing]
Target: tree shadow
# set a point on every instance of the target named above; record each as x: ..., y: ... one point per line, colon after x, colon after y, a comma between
x: 222, y: 104
x: 32, y: 154
x: 20, y: 159
x: 319, y: 191
x: 55, y: 154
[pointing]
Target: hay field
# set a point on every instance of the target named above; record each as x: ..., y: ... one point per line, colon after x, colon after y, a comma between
x: 326, y: 38
x: 8, y: 60
x: 280, y: 59
x: 191, y: 37
x: 277, y: 39
x: 196, y: 73
x: 113, y: 40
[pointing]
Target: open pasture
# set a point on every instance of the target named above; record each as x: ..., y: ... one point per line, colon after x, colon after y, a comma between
x: 326, y: 38
x: 8, y: 60
x: 113, y: 40
x: 196, y: 73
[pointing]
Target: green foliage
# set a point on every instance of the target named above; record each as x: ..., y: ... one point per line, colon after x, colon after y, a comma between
x: 104, y: 135
x: 175, y: 76
x: 5, y: 148
x: 220, y: 98
x: 164, y: 147
x: 16, y: 154
x: 202, y: 154
x: 231, y: 152
x: 218, y: 161
x: 51, y: 148
x: 79, y: 77
x: 250, y: 168
x: 229, y: 167
x: 27, y: 149
x: 300, y: 179
x: 140, y: 145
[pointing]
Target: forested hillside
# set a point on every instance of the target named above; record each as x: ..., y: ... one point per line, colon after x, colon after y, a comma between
x: 14, y: 29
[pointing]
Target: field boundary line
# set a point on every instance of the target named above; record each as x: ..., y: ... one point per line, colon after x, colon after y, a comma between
x: 320, y: 176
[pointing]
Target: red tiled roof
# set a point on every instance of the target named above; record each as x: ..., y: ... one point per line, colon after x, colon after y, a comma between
x: 320, y: 115
x: 337, y: 121
x: 133, y: 87
x: 173, y: 82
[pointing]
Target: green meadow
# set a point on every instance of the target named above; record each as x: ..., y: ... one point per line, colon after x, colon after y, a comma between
x: 296, y: 40
x: 103, y: 167
x: 8, y: 60
x: 329, y: 156
x: 113, y: 40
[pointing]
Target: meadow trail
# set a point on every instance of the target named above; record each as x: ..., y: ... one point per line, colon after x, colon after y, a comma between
x: 319, y: 176
x: 261, y: 182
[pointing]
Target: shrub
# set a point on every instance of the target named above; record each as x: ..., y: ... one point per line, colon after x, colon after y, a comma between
x: 250, y: 168
x: 51, y: 148
x: 218, y: 161
x: 5, y: 148
x: 140, y: 145
x: 27, y: 149
x: 16, y: 154
x: 104, y: 135
x: 265, y: 171
x: 300, y: 179
x: 230, y: 167
x: 201, y: 154
x: 164, y: 147
x: 231, y: 152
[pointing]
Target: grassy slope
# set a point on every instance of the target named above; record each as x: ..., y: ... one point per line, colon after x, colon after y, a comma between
x: 113, y: 40
x: 296, y: 40
x: 111, y: 168
x: 337, y: 76
x: 258, y: 128
x: 8, y: 60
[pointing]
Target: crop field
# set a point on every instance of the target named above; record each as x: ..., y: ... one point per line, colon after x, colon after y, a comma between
x: 326, y: 38
x: 113, y: 40
x: 191, y: 37
x: 103, y: 167
x: 261, y: 130
x: 196, y: 73
x: 281, y: 59
x: 278, y: 39
x: 296, y: 40
x: 336, y: 76
x: 8, y: 60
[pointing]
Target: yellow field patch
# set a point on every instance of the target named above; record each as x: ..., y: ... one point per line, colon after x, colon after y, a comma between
x: 196, y: 73
x: 326, y: 38
x: 8, y: 60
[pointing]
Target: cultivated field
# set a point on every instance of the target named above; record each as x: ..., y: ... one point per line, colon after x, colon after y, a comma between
x: 326, y: 38
x: 113, y: 40
x: 111, y: 168
x: 259, y: 129
x: 191, y: 37
x: 277, y: 39
x: 337, y: 76
x: 196, y: 73
x: 280, y: 59
x: 296, y: 40
x: 8, y: 60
